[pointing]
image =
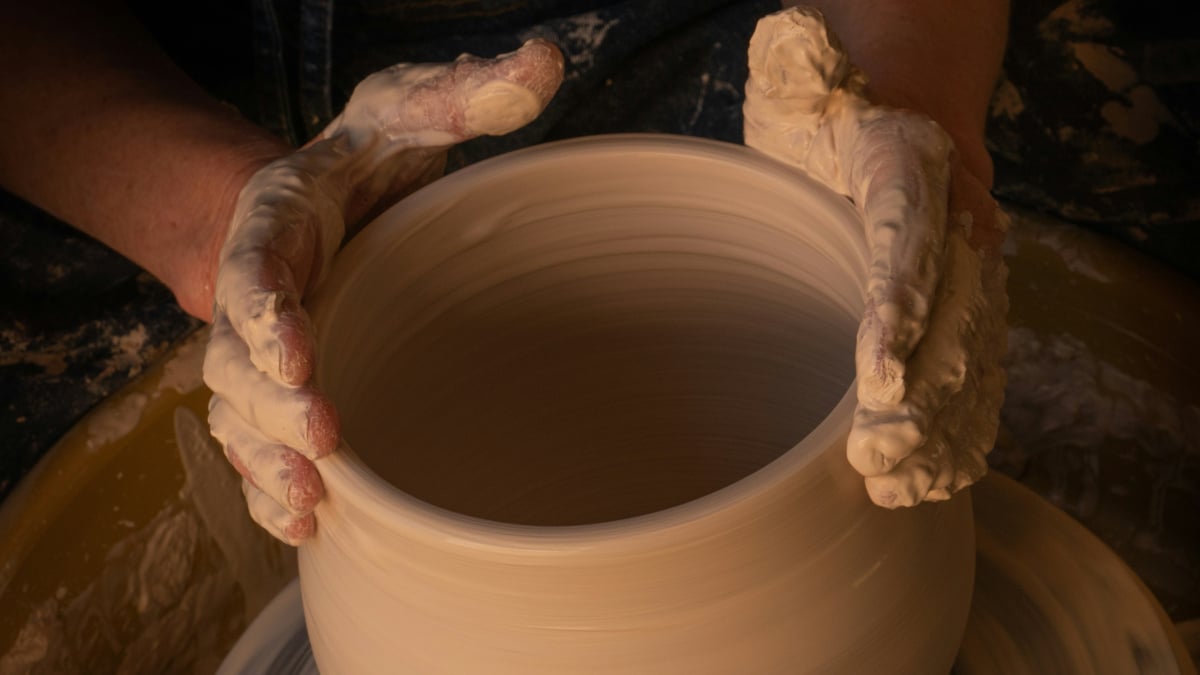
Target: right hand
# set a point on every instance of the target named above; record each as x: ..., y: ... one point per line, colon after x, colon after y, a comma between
x: 933, y: 329
x: 289, y: 221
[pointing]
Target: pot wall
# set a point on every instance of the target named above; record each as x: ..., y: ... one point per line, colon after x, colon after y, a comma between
x: 603, y: 389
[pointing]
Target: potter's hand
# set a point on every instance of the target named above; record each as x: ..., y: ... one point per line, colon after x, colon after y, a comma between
x: 933, y: 331
x: 290, y: 219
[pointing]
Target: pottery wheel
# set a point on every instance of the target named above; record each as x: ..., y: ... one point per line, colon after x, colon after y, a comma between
x: 128, y: 548
x: 1052, y: 598
x: 1049, y: 598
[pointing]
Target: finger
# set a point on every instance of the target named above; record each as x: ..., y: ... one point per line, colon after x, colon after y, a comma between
x: 936, y: 442
x: 795, y: 62
x: 298, y: 417
x: 953, y: 457
x: 391, y: 137
x: 893, y: 164
x: 899, y: 179
x: 273, y: 518
x: 883, y: 434
x: 501, y: 95
x: 275, y: 252
x: 436, y: 105
x: 911, y: 481
x: 881, y: 437
x: 280, y: 472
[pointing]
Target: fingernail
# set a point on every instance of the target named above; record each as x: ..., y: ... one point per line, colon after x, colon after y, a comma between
x: 499, y: 107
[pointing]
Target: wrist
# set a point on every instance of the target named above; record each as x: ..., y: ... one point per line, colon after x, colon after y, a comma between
x: 192, y: 275
x: 937, y: 58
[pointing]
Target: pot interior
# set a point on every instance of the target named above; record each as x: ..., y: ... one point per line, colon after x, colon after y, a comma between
x: 589, y: 357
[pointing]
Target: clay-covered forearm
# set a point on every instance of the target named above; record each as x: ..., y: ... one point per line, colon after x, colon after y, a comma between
x: 99, y: 128
x: 940, y: 57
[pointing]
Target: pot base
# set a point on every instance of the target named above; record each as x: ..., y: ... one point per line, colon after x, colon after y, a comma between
x: 1099, y: 619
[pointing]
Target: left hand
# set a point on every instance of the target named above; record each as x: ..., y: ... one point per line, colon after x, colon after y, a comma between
x: 933, y: 331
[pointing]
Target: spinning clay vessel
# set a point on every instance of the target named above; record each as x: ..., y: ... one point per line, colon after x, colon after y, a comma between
x: 595, y: 397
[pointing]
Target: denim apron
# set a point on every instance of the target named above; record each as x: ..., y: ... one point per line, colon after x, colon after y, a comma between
x: 638, y: 65
x: 670, y: 66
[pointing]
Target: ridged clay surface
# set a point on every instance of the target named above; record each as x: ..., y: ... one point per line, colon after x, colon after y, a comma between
x: 598, y: 395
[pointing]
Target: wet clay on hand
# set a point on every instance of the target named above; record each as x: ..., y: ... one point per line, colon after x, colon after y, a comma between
x: 933, y: 330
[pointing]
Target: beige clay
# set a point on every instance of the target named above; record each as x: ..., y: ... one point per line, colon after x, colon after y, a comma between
x: 932, y: 337
x: 598, y: 396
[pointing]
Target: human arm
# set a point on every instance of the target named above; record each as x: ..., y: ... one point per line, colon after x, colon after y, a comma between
x: 99, y: 128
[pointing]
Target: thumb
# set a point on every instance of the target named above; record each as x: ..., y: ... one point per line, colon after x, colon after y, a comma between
x: 437, y: 105
x: 391, y: 137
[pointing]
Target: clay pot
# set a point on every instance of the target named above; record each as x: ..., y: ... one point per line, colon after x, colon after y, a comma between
x: 598, y: 395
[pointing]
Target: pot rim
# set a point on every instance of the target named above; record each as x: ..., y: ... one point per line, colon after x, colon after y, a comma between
x: 364, y: 492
